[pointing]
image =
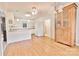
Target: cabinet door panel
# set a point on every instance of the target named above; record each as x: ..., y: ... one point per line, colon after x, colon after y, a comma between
x: 59, y: 31
x: 59, y: 34
x: 66, y: 27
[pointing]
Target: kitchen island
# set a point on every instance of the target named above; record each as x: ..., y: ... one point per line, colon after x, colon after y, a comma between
x: 19, y: 35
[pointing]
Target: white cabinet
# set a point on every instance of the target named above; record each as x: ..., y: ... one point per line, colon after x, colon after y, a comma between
x: 18, y: 36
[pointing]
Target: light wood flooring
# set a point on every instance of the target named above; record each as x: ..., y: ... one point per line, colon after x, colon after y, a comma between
x: 40, y: 46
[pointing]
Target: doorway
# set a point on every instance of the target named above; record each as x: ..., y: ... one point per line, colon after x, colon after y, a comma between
x: 3, y: 27
x: 47, y: 28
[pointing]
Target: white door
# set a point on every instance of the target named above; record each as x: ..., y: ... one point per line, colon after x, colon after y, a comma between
x: 47, y: 28
x: 39, y: 28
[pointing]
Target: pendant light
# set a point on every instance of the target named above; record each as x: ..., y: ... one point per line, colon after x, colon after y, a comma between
x: 34, y: 11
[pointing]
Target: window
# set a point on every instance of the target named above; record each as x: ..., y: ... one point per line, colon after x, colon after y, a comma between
x: 24, y: 25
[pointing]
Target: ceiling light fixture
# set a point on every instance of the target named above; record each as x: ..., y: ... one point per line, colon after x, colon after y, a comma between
x: 17, y: 19
x: 27, y: 15
x: 34, y: 11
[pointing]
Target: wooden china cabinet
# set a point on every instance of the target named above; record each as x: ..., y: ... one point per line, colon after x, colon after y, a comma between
x: 66, y: 25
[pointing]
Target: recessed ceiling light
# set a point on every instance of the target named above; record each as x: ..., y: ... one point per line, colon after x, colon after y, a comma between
x: 17, y: 19
x: 27, y: 15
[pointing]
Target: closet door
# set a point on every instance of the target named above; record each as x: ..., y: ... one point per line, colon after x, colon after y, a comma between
x: 59, y: 29
x: 67, y: 27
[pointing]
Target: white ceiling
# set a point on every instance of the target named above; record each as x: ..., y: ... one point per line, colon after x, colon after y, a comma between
x: 21, y: 8
x: 27, y: 6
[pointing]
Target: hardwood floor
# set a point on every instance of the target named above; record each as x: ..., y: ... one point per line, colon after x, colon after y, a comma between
x: 39, y: 46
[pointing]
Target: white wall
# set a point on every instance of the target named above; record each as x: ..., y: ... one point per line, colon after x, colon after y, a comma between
x: 30, y: 24
x: 47, y: 28
x: 53, y: 25
x: 19, y: 24
x: 50, y: 24
x: 77, y: 27
x: 39, y: 28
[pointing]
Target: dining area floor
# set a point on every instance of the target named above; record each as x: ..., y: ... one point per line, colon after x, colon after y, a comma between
x: 40, y: 46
